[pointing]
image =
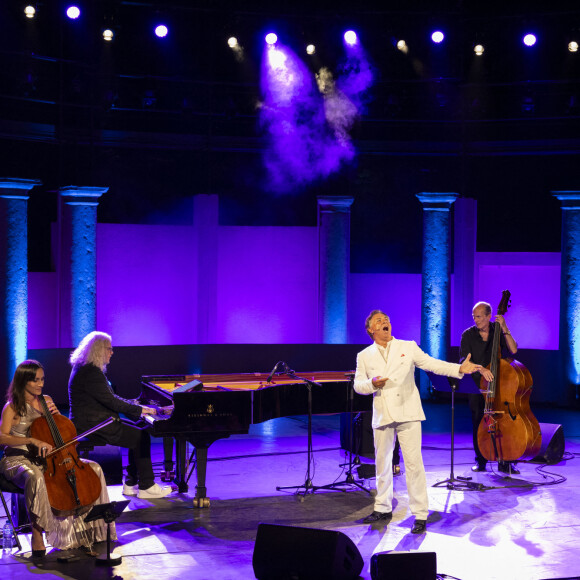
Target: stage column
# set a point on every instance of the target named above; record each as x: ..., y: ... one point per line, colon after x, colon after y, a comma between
x: 77, y: 263
x: 14, y: 272
x: 435, y: 277
x: 570, y: 294
x: 334, y: 267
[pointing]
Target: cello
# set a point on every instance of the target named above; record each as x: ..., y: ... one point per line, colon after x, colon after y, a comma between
x: 71, y: 484
x: 508, y: 431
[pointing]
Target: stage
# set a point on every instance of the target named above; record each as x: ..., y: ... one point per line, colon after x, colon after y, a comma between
x: 512, y: 531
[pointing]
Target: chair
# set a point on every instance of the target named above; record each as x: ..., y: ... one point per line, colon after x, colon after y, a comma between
x: 6, y: 486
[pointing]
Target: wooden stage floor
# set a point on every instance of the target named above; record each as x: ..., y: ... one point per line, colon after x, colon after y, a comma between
x: 522, y: 528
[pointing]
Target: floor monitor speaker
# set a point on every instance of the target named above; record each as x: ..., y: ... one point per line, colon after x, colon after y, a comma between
x: 284, y: 552
x: 553, y: 444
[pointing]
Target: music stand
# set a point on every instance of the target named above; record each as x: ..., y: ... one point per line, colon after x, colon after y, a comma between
x: 108, y: 512
x: 307, y: 485
x: 441, y: 383
x: 349, y: 476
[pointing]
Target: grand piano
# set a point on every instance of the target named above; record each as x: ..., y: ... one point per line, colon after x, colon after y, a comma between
x: 202, y: 408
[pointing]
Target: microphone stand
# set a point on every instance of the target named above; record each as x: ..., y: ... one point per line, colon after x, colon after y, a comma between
x: 349, y: 476
x: 307, y: 485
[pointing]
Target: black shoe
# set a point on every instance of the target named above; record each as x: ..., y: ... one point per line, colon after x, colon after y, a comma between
x: 378, y: 517
x: 507, y: 467
x: 419, y: 527
x: 478, y: 467
x: 39, y: 553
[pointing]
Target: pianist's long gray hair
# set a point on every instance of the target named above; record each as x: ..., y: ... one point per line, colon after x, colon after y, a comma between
x: 92, y: 350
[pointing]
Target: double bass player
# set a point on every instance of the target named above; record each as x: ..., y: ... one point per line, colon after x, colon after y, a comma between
x: 477, y: 340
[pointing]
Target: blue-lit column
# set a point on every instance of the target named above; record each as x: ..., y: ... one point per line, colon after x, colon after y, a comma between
x: 13, y: 273
x: 334, y: 267
x: 77, y: 267
x: 570, y: 295
x: 435, y: 276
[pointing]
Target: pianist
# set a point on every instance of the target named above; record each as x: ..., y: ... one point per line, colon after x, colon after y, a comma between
x: 92, y: 400
x: 386, y: 369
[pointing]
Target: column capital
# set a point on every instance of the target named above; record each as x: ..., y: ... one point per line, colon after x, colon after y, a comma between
x: 16, y: 188
x: 436, y: 201
x: 335, y: 203
x: 81, y: 195
x: 569, y: 199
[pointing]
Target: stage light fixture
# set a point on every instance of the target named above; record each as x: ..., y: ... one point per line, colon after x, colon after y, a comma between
x: 108, y: 34
x: 310, y: 49
x: 161, y: 30
x: 573, y: 46
x: 529, y: 40
x: 73, y: 12
x: 30, y: 11
x: 271, y: 38
x: 232, y: 42
x: 437, y: 37
x: 478, y: 49
x: 402, y: 46
x: 350, y: 37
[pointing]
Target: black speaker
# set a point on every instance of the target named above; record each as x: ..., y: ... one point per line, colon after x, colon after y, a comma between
x: 288, y: 552
x: 553, y: 444
x: 362, y: 433
x: 404, y: 565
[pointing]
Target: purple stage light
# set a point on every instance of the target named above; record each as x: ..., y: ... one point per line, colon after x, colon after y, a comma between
x: 271, y: 38
x: 73, y: 12
x: 350, y: 37
x: 529, y: 39
x: 437, y: 37
x: 161, y: 31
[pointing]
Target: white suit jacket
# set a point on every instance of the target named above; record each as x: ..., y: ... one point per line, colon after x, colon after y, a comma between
x: 399, y: 399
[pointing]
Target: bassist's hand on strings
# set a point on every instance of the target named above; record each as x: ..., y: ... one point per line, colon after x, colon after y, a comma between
x: 467, y: 368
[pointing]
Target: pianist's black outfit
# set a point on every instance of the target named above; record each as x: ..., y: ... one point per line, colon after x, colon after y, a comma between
x: 91, y: 401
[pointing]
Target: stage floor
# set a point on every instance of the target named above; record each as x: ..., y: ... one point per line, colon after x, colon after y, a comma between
x: 524, y: 528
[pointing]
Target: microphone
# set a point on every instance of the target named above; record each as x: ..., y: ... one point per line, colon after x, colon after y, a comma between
x: 273, y: 371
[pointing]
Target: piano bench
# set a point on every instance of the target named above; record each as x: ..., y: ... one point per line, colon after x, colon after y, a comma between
x: 107, y: 456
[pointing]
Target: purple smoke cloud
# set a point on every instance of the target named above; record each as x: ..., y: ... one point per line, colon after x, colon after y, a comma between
x: 307, y: 125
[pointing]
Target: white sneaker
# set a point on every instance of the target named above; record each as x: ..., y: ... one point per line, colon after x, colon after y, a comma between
x: 155, y: 491
x: 130, y: 489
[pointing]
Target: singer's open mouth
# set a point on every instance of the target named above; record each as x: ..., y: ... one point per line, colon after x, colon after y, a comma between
x: 386, y: 328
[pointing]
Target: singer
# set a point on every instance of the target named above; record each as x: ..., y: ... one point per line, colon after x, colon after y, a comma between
x: 386, y: 370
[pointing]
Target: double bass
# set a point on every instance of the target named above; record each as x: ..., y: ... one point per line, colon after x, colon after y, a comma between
x: 508, y: 431
x: 72, y: 485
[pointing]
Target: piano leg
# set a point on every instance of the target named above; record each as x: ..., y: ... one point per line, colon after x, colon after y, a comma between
x: 201, y: 500
x: 180, y: 469
x: 168, y: 473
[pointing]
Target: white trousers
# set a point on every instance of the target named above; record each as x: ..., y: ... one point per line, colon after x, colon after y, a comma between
x: 409, y: 434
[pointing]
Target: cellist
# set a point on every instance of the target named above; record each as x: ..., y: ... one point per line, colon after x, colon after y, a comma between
x: 478, y: 340
x: 20, y: 466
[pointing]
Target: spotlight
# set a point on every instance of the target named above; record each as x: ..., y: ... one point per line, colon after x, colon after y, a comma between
x: 310, y: 49
x: 161, y: 31
x: 271, y: 38
x: 232, y: 42
x: 403, y: 46
x: 108, y: 35
x: 573, y: 46
x: 437, y: 37
x: 529, y: 40
x: 478, y: 49
x: 30, y: 11
x: 350, y: 37
x: 73, y: 12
